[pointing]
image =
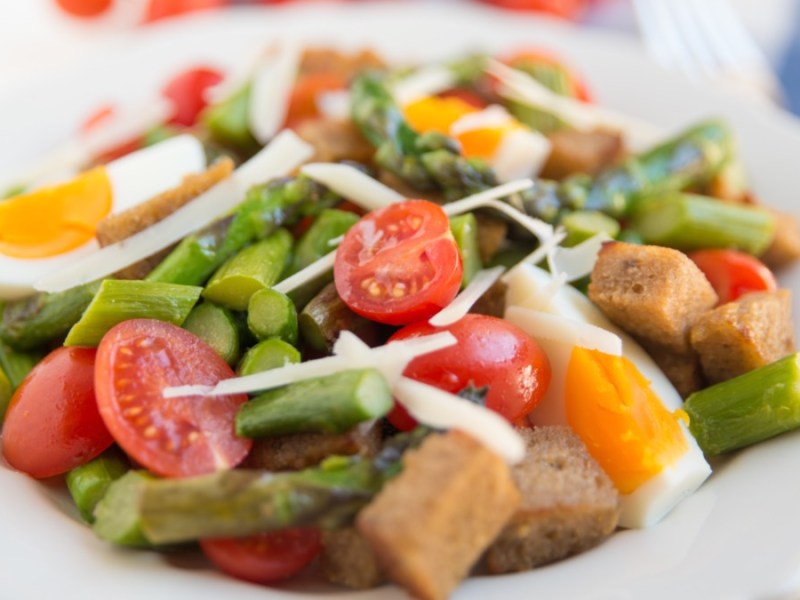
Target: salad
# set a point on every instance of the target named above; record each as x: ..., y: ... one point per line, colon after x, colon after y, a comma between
x: 253, y: 237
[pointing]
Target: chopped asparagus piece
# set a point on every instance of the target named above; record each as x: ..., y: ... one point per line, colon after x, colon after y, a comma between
x: 272, y: 314
x: 747, y: 409
x: 331, y: 404
x: 583, y: 224
x: 121, y: 300
x: 217, y: 327
x: 88, y: 483
x: 16, y: 364
x: 465, y: 231
x: 267, y: 354
x: 229, y: 121
x: 315, y: 243
x: 117, y: 514
x: 6, y: 392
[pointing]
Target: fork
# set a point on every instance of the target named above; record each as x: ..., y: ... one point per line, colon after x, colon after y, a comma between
x: 706, y: 39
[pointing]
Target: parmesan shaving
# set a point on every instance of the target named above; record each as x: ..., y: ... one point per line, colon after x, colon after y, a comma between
x: 578, y: 261
x: 309, y: 273
x: 491, y: 117
x: 269, y: 96
x: 283, y: 154
x: 461, y: 304
x: 545, y: 250
x: 523, y: 88
x: 541, y: 325
x: 521, y: 153
x: 334, y: 104
x: 353, y: 184
x: 426, y: 81
x: 437, y: 408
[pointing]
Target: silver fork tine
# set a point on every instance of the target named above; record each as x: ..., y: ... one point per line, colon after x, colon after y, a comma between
x: 662, y: 35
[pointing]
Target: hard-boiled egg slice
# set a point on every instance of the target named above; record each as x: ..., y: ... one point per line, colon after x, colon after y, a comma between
x: 627, y: 410
x: 51, y: 227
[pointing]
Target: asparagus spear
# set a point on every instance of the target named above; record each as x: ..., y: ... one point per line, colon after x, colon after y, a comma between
x: 88, y: 483
x: 6, y: 391
x: 16, y: 364
x: 216, y: 326
x: 267, y: 354
x: 243, y: 502
x: 272, y: 314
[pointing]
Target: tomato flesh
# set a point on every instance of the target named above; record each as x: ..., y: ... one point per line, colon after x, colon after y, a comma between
x: 84, y: 8
x: 488, y: 352
x: 267, y: 557
x: 175, y: 437
x: 187, y: 90
x: 733, y: 273
x: 399, y: 264
x: 52, y: 424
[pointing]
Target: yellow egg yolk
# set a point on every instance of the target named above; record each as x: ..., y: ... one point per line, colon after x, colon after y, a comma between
x: 438, y: 114
x: 56, y: 219
x: 626, y: 428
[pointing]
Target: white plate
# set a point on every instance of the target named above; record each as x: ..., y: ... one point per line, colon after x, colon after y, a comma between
x: 736, y: 538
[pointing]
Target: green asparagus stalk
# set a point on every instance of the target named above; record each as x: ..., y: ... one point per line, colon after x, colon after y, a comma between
x: 747, y: 409
x: 243, y: 502
x: 465, y: 232
x: 216, y: 326
x: 43, y: 318
x: 229, y: 121
x: 331, y: 404
x: 88, y: 483
x: 583, y: 224
x: 267, y: 354
x: 120, y: 300
x: 688, y: 222
x: 315, y: 242
x: 16, y: 364
x: 272, y: 314
x: 6, y: 392
x: 257, y: 267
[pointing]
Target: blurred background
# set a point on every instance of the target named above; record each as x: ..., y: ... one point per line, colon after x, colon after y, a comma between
x: 751, y: 47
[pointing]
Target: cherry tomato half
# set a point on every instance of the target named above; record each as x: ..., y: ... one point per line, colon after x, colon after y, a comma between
x: 489, y: 352
x: 399, y: 264
x: 566, y: 9
x: 84, y: 8
x: 186, y: 91
x: 176, y: 437
x: 163, y: 9
x: 52, y: 424
x: 264, y: 558
x: 733, y: 273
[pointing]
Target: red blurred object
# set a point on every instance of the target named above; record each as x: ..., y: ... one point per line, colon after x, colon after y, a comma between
x: 85, y: 9
x: 566, y: 9
x: 578, y: 85
x: 96, y: 118
x: 186, y: 92
x: 163, y: 9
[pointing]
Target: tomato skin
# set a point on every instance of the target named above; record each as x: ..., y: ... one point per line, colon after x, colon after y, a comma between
x: 176, y: 437
x: 52, y: 424
x: 733, y: 273
x: 399, y: 264
x: 267, y: 557
x: 566, y: 9
x: 186, y: 92
x: 84, y: 8
x: 303, y: 99
x: 163, y: 9
x: 489, y: 352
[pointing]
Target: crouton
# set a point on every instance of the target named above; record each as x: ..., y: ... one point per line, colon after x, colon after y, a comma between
x: 330, y: 61
x: 346, y: 559
x: 740, y: 336
x: 492, y: 302
x: 581, y: 152
x: 115, y: 228
x: 334, y: 140
x: 568, y: 503
x: 682, y: 369
x: 655, y: 294
x: 492, y: 234
x: 432, y: 522
x: 297, y: 451
x: 785, y: 246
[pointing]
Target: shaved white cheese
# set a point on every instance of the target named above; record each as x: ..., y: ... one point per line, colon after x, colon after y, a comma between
x: 150, y: 171
x: 491, y: 117
x: 334, y: 104
x: 309, y: 273
x: 578, y: 261
x: 461, y: 304
x: 285, y: 153
x: 271, y: 88
x: 426, y: 81
x: 353, y: 184
x: 521, y: 153
x: 543, y: 326
x: 354, y: 357
x: 437, y: 408
x: 546, y: 249
x: 519, y: 86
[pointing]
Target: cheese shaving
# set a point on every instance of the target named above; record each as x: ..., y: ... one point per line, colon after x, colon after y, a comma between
x: 353, y: 184
x: 437, y: 408
x: 461, y: 304
x: 426, y: 81
x: 283, y: 154
x: 578, y: 261
x: 309, y: 273
x: 271, y: 88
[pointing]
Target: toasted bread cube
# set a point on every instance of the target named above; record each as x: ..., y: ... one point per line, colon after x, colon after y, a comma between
x: 682, y: 369
x: 740, y: 336
x: 785, y: 246
x: 347, y: 559
x: 334, y: 140
x: 654, y: 293
x: 573, y: 151
x: 568, y: 503
x: 431, y: 523
x: 115, y: 228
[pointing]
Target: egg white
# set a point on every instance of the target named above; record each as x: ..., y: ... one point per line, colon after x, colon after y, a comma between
x: 134, y: 178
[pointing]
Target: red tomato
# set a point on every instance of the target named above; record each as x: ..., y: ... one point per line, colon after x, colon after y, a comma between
x: 162, y: 9
x: 186, y: 91
x: 176, y: 437
x: 267, y: 557
x: 399, y: 264
x: 52, y: 424
x: 303, y: 100
x: 733, y: 273
x: 489, y: 352
x: 84, y: 8
x: 566, y: 9
x: 96, y: 118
